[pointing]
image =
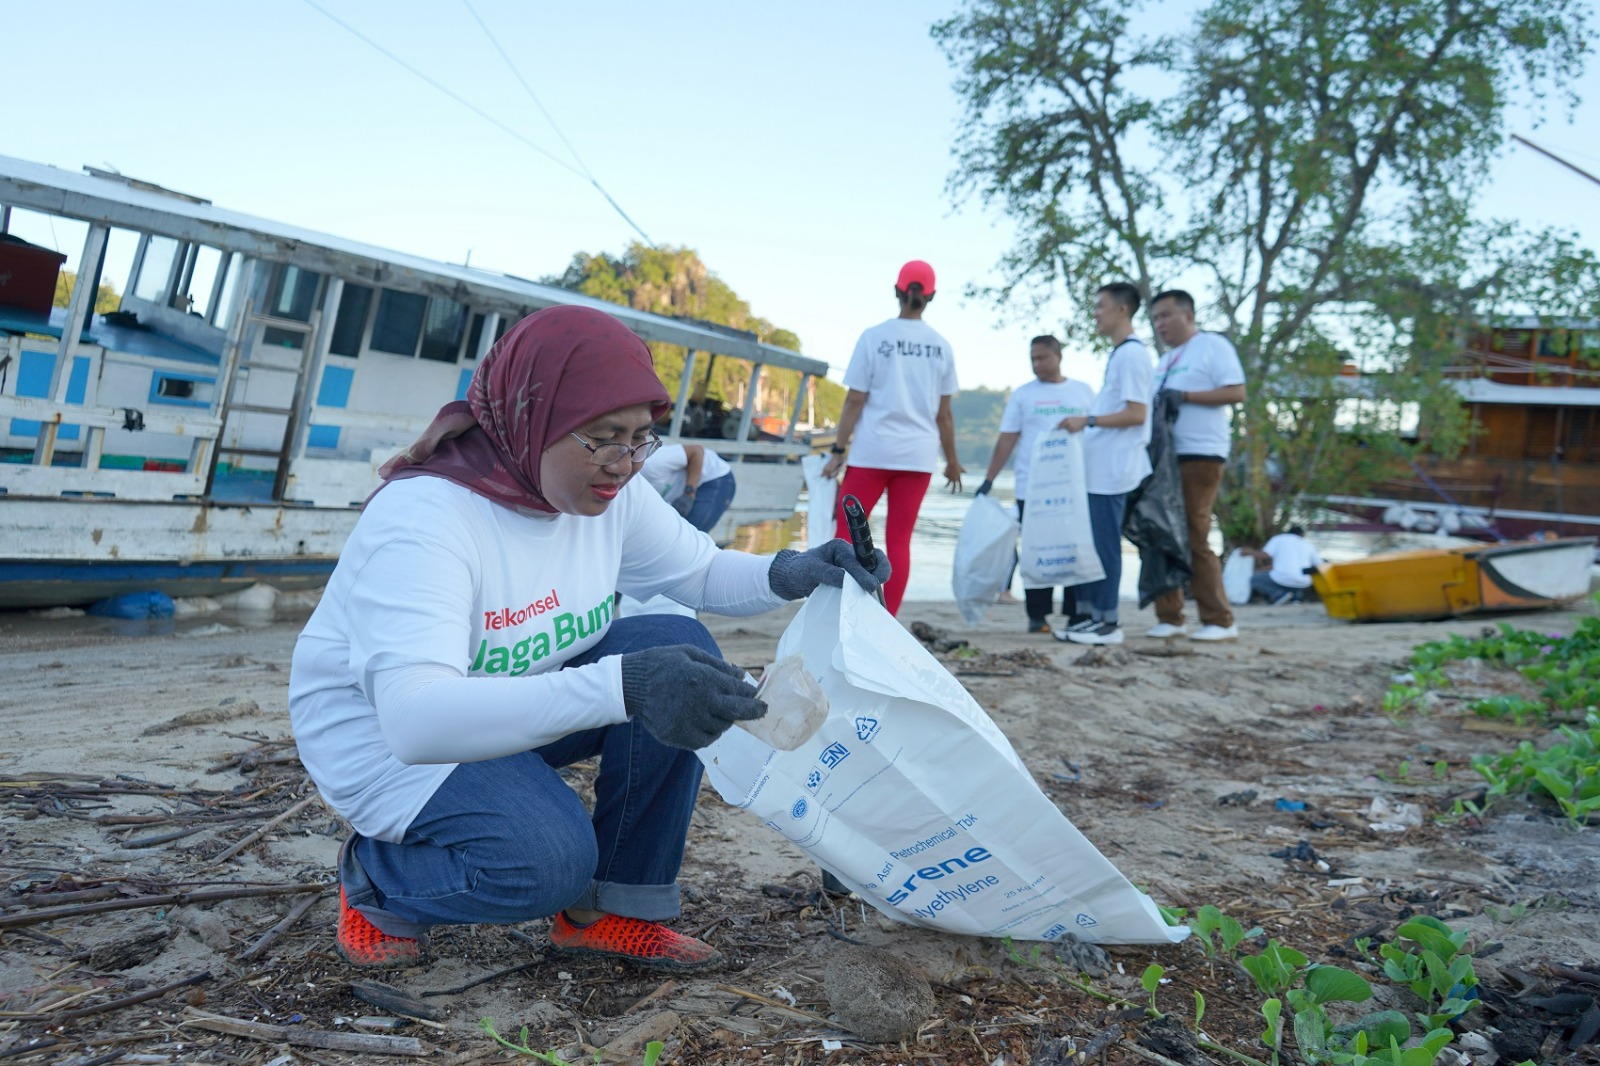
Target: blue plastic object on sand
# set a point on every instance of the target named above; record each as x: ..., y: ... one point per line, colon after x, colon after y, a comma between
x: 134, y: 605
x: 1289, y: 805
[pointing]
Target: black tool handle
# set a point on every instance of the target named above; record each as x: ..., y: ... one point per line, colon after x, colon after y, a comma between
x: 855, y: 517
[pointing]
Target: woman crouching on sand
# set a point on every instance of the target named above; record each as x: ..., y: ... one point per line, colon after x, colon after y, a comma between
x: 465, y: 650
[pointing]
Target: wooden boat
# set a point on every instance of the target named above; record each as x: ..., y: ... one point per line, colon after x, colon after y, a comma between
x: 1532, y: 464
x: 224, y: 424
x: 1449, y: 582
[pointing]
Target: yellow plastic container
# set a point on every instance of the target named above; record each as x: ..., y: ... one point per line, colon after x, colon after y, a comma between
x: 1401, y: 586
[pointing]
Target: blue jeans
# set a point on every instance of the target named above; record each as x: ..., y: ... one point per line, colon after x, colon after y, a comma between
x: 711, y: 499
x: 1099, y: 598
x: 507, y: 840
x: 1262, y: 584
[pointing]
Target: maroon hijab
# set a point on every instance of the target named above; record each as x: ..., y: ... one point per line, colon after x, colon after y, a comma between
x: 552, y: 372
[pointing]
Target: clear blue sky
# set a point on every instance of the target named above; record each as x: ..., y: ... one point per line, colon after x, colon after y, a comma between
x: 802, y: 149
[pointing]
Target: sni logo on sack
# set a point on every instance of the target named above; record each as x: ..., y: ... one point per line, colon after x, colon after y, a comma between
x: 833, y: 755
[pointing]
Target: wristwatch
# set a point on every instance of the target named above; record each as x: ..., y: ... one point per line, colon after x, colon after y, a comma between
x: 1093, y: 421
x: 837, y: 450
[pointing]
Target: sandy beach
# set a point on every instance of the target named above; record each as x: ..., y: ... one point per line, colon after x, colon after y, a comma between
x: 136, y: 763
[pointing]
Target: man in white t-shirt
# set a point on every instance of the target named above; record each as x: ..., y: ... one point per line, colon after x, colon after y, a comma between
x: 895, y: 421
x: 1204, y: 370
x: 694, y: 479
x: 1288, y: 559
x: 1116, y: 432
x: 1034, y: 408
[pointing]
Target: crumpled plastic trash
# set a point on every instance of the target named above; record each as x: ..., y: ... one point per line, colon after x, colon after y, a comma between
x: 1392, y: 816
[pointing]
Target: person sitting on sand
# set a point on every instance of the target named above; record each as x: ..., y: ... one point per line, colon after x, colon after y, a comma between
x: 1283, y: 567
x: 465, y: 650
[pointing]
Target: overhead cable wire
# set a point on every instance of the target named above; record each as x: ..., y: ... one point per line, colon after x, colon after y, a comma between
x: 557, y: 160
x: 517, y: 73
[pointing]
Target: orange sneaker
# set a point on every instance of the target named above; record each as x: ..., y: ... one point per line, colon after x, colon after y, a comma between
x: 648, y: 944
x: 367, y: 947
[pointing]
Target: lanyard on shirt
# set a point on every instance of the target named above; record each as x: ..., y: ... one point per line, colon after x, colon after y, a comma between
x: 1183, y: 350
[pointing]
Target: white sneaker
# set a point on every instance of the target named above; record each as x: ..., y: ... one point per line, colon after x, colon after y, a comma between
x: 1165, y: 631
x: 1214, y: 633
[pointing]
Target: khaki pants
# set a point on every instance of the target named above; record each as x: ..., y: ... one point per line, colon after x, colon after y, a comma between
x: 1201, y: 479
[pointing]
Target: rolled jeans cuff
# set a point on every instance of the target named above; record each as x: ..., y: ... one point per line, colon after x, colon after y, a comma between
x: 653, y: 903
x: 361, y: 895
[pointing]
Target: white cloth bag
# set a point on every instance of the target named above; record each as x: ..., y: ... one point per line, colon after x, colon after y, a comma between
x: 822, y: 495
x: 1236, y: 573
x: 1057, y: 539
x: 911, y: 795
x: 985, y: 552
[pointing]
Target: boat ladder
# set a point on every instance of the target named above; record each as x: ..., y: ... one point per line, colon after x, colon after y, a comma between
x: 239, y: 384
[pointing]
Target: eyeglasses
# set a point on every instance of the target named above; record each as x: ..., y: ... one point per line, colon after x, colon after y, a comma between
x: 608, y: 454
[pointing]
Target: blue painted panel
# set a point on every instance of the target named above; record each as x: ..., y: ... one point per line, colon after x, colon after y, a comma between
x: 335, y: 388
x: 323, y: 437
x: 33, y: 379
x: 461, y: 384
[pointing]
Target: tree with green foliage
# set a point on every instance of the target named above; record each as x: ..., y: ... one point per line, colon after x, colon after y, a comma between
x: 107, y: 299
x: 675, y: 282
x: 1310, y: 168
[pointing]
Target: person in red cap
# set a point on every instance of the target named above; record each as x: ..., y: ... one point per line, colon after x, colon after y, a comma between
x: 896, y: 419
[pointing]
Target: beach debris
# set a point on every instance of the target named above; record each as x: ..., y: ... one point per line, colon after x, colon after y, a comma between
x: 1390, y: 816
x: 395, y: 1001
x: 1104, y: 657
x: 1281, y: 804
x: 299, y: 1036
x: 938, y: 639
x: 133, y: 948
x: 876, y: 995
x: 629, y: 1045
x: 1089, y: 959
x: 226, y: 710
x: 1242, y: 798
x: 1301, y: 851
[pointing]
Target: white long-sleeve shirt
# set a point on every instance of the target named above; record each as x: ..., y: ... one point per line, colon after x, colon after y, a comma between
x: 440, y: 635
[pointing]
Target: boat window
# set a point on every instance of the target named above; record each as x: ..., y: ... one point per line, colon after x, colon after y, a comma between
x: 1512, y: 341
x: 399, y: 322
x: 474, y: 335
x: 1557, y: 344
x: 351, y: 324
x: 221, y: 310
x: 294, y: 293
x: 201, y: 291
x: 155, y: 272
x: 441, y: 330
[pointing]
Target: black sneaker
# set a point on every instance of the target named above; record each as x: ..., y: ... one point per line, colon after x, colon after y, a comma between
x: 1103, y: 633
x: 1079, y: 623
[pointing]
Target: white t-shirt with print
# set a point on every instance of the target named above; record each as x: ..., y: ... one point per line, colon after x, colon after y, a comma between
x: 905, y: 368
x: 1036, y: 408
x: 1116, y: 458
x: 1205, y: 361
x: 438, y: 579
x: 667, y: 469
x: 1291, y: 555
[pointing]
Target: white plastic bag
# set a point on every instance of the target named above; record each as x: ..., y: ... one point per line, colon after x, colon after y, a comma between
x: 986, y: 549
x: 1057, y: 539
x: 911, y: 795
x: 1236, y: 574
x: 822, y: 495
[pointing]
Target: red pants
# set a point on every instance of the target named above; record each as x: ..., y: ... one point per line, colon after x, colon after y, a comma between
x: 906, y: 489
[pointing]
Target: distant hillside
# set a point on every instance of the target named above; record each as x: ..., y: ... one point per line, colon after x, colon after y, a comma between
x: 977, y: 414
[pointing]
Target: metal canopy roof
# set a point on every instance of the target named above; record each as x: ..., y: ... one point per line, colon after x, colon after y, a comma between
x: 139, y: 206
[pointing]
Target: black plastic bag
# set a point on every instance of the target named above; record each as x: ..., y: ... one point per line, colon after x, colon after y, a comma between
x: 1155, y: 521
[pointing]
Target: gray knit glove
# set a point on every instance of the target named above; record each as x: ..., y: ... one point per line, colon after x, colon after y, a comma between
x: 685, y: 697
x: 796, y: 574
